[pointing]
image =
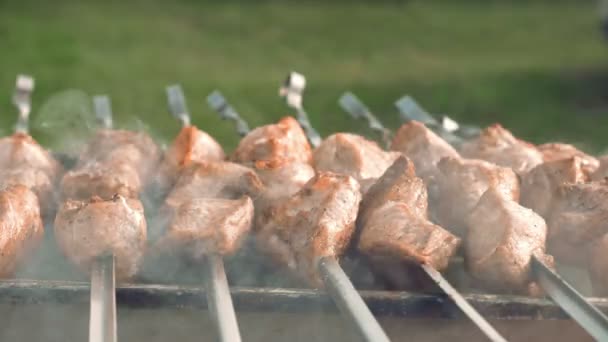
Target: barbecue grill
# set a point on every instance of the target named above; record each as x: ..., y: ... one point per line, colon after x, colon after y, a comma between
x: 54, y: 300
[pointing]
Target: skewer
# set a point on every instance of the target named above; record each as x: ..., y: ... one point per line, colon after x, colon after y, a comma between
x: 218, y: 103
x: 218, y: 292
x: 357, y: 107
x: 292, y: 90
x: 338, y: 285
x: 102, y: 319
x: 562, y: 293
x: 353, y: 106
x: 22, y: 100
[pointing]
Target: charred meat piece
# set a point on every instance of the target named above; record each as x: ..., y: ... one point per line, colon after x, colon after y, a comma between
x: 540, y: 186
x: 355, y: 156
x: 284, y: 140
x: 558, y: 151
x: 98, y: 179
x: 190, y: 146
x: 497, y: 145
x: 577, y: 218
x: 21, y: 228
x: 316, y: 222
x: 204, y: 226
x: 423, y: 147
x: 602, y: 172
x: 85, y: 230
x: 502, y: 238
x: 598, y: 266
x: 394, y: 223
x: 461, y: 184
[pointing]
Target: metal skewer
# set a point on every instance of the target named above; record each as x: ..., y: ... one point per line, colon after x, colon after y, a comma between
x: 102, y: 319
x: 354, y: 105
x: 218, y: 292
x: 338, y: 284
x: 219, y: 104
x: 562, y: 293
x: 24, y: 86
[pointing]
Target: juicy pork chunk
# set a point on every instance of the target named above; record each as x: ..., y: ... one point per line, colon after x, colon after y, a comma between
x: 353, y: 155
x: 394, y: 223
x: 577, y: 218
x: 23, y: 161
x: 502, y: 238
x: 423, y: 147
x: 316, y: 222
x: 98, y: 179
x: 460, y: 185
x: 21, y: 228
x: 541, y: 185
x: 497, y: 145
x: 602, y: 171
x: 558, y: 151
x: 190, y: 146
x: 85, y: 230
x: 284, y: 140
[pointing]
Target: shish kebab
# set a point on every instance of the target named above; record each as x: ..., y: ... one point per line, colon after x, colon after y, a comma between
x: 305, y: 224
x: 101, y: 226
x: 513, y: 222
x: 208, y: 212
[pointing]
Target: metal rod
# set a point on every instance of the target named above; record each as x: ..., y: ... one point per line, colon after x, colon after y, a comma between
x: 218, y: 103
x: 177, y: 104
x: 349, y: 301
x: 462, y: 304
x: 220, y: 301
x: 103, y: 110
x: 357, y: 109
x: 102, y: 319
x: 585, y: 314
x: 292, y: 90
x: 24, y: 86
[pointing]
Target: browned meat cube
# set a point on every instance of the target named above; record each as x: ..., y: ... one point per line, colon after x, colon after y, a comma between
x: 353, y: 155
x: 214, y: 180
x: 21, y: 228
x: 598, y: 266
x: 204, y: 226
x: 461, y: 184
x: 283, y: 178
x: 102, y: 180
x: 423, y: 147
x: 558, y: 151
x: 497, y: 145
x: 284, y: 140
x: 502, y: 238
x: 602, y: 171
x: 190, y: 146
x: 316, y: 222
x: 540, y: 186
x: 578, y: 217
x: 85, y: 230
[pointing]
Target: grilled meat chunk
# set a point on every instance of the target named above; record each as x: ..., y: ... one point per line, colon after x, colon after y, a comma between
x: 540, y: 186
x: 316, y: 222
x: 461, y: 184
x: 355, y: 156
x: 423, y: 147
x: 502, y: 238
x: 203, y: 226
x: 282, y: 178
x: 284, y: 141
x: 578, y: 217
x: 85, y: 230
x: 497, y: 145
x: 598, y: 266
x: 190, y: 146
x: 394, y: 223
x: 21, y: 228
x: 103, y: 180
x: 602, y: 171
x: 558, y: 151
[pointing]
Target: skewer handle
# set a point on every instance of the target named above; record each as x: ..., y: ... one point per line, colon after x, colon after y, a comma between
x: 177, y: 104
x: 218, y: 103
x: 102, y: 319
x: 585, y: 314
x: 103, y: 110
x: 349, y: 301
x: 220, y: 301
x: 463, y: 305
x: 357, y: 109
x: 410, y: 110
x: 24, y: 86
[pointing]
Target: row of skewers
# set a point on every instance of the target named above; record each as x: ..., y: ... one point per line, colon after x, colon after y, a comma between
x: 406, y: 210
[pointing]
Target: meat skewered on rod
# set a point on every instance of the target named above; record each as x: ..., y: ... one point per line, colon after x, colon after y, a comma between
x: 332, y: 275
x: 353, y: 106
x: 289, y: 170
x: 218, y: 291
x: 400, y: 198
x: 572, y: 302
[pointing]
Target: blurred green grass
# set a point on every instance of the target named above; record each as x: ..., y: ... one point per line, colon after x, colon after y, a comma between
x: 538, y: 67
